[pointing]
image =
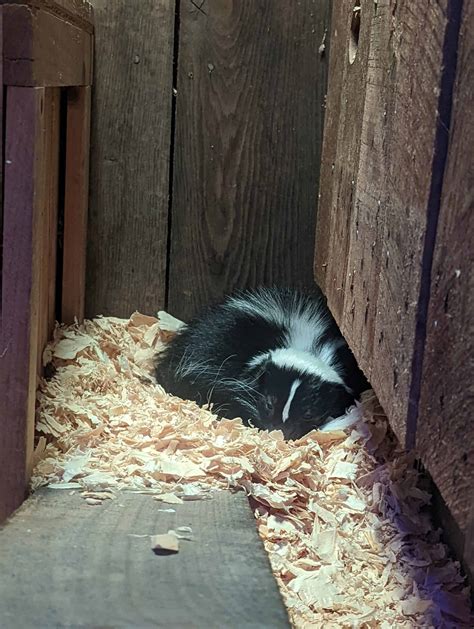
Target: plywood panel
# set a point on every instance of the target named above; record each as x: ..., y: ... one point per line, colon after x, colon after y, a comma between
x: 98, y: 569
x: 371, y: 267
x: 130, y: 145
x: 251, y: 87
x: 445, y: 436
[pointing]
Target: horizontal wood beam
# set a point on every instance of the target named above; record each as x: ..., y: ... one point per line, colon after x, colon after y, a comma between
x: 41, y: 48
x: 77, y: 12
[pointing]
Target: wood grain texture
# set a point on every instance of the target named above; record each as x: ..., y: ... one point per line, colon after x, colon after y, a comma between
x: 24, y: 198
x: 44, y: 49
x: 445, y: 436
x: 65, y: 563
x: 48, y: 221
x: 369, y: 263
x: 77, y: 12
x: 249, y: 119
x: 76, y: 204
x: 340, y: 152
x: 130, y: 148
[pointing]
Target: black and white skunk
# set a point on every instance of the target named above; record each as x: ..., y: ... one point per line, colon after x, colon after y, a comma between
x: 273, y: 357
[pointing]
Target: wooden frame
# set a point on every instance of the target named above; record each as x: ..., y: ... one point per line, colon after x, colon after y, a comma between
x: 47, y: 46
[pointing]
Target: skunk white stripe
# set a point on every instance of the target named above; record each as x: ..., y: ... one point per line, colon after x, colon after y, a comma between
x: 305, y: 363
x: 303, y: 321
x: 304, y: 331
x: 286, y: 408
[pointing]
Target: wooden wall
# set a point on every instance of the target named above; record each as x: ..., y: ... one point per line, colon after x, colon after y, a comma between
x: 213, y: 187
x: 445, y: 432
x: 130, y: 156
x: 394, y: 243
x: 45, y: 80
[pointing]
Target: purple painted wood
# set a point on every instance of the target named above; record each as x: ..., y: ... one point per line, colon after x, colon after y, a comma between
x: 23, y: 155
x: 1, y: 166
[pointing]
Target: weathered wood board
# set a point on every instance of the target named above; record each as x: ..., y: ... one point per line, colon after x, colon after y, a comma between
x: 445, y: 433
x: 65, y: 563
x: 379, y: 202
x: 250, y: 106
x: 130, y: 148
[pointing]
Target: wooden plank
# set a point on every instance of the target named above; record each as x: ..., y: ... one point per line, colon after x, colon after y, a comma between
x: 251, y: 88
x: 2, y: 162
x: 48, y: 221
x: 341, y: 148
x: 99, y: 570
x: 23, y: 198
x: 445, y: 436
x: 380, y: 243
x: 43, y: 49
x: 77, y: 12
x: 76, y: 204
x: 468, y: 557
x: 130, y: 151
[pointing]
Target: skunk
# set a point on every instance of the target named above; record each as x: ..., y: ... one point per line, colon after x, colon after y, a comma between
x: 272, y: 356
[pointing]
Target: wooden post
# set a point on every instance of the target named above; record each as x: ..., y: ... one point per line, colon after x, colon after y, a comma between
x: 76, y: 203
x: 24, y: 198
x: 46, y: 45
x: 48, y: 221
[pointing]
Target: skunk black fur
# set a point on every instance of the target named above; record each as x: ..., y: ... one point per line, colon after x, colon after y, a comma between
x: 273, y: 357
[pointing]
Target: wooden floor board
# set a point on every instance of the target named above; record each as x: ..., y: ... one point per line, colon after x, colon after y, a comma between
x: 65, y: 563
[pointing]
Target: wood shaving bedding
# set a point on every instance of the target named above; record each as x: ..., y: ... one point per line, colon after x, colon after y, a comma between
x: 340, y: 513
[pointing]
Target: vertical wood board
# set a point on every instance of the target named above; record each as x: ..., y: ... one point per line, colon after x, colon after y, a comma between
x: 249, y: 119
x: 24, y: 198
x: 2, y: 163
x: 76, y: 204
x: 48, y: 220
x: 341, y: 149
x: 375, y: 300
x: 130, y: 146
x: 445, y: 435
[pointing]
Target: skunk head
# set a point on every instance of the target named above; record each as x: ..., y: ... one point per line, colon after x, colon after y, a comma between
x: 298, y: 392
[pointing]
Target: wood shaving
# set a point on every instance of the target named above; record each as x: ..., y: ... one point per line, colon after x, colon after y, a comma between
x: 165, y: 543
x: 345, y: 525
x: 171, y: 499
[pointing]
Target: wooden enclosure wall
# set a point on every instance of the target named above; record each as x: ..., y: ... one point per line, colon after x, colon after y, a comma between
x: 204, y: 178
x: 130, y: 156
x: 394, y: 244
x: 46, y: 74
x: 445, y: 432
